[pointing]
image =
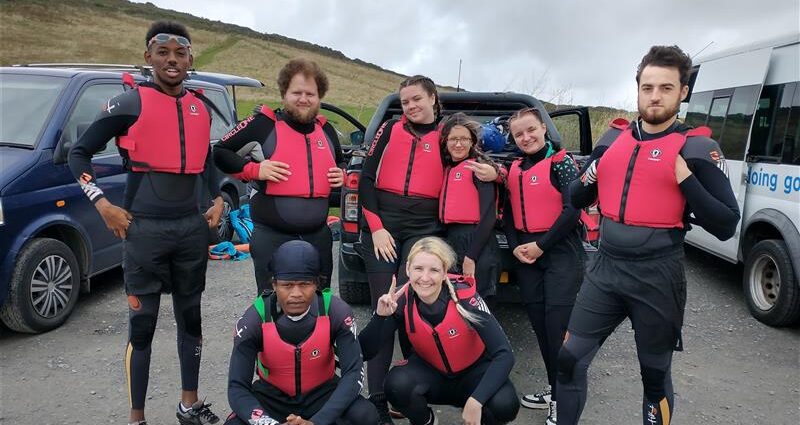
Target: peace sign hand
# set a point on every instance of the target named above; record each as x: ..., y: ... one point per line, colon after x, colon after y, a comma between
x: 387, y: 303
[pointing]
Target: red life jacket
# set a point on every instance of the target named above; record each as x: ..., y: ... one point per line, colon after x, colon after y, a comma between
x: 309, y: 157
x: 295, y: 369
x: 452, y: 345
x: 458, y: 200
x: 411, y: 166
x: 171, y: 135
x: 535, y: 203
x: 636, y: 180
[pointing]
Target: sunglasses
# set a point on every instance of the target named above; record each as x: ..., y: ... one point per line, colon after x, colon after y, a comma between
x: 162, y: 38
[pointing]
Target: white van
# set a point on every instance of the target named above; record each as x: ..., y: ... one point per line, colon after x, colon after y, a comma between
x: 750, y: 98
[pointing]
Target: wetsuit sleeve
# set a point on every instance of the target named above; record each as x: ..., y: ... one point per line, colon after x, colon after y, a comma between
x: 343, y: 330
x: 246, y: 345
x: 498, y: 351
x: 380, y: 330
x: 487, y: 200
x: 561, y: 175
x: 210, y: 175
x: 254, y: 128
x: 119, y: 114
x: 583, y: 195
x: 337, y: 147
x: 369, y: 174
x: 508, y: 224
x: 708, y: 191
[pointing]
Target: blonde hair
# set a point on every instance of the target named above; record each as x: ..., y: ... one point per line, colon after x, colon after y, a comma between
x: 440, y: 249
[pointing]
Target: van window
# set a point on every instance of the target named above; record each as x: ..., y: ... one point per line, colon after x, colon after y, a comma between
x: 764, y: 124
x: 90, y: 103
x: 219, y: 125
x: 698, y: 109
x: 716, y: 117
x: 733, y: 139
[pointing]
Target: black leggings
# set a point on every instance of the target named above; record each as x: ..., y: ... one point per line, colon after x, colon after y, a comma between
x: 142, y: 318
x: 549, y: 322
x: 414, y: 385
x: 379, y: 275
x: 278, y: 405
x: 548, y: 288
x: 573, y: 362
x: 266, y: 240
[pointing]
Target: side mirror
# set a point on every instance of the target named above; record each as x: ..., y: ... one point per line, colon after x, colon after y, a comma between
x: 356, y: 137
x: 62, y: 149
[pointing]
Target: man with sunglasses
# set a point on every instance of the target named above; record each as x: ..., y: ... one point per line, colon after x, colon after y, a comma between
x: 163, y: 134
x: 290, y: 337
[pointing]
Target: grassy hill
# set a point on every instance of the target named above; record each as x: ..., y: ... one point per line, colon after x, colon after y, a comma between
x: 112, y: 31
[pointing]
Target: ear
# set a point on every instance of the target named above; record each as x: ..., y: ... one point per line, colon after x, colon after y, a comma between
x: 684, y: 92
x: 147, y: 56
x: 191, y: 60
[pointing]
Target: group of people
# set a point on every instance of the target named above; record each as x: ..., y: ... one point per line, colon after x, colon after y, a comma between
x: 429, y: 199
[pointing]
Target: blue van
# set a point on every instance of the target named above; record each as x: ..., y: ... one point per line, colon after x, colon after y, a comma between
x: 52, y: 241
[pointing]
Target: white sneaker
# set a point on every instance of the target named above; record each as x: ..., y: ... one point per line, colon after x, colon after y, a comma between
x: 539, y: 400
x: 552, y: 417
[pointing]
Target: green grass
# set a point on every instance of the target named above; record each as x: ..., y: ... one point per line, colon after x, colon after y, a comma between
x: 207, y: 56
x: 363, y: 114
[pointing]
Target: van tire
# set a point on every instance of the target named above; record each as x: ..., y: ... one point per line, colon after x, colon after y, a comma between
x: 354, y: 292
x: 38, y: 258
x: 770, y: 284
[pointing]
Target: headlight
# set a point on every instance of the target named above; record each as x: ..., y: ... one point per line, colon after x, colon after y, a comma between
x: 2, y: 220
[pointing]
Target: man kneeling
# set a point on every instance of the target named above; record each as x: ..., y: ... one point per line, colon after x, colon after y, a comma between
x: 293, y: 334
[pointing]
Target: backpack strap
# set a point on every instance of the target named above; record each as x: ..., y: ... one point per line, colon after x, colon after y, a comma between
x: 265, y: 110
x: 619, y: 123
x: 127, y: 80
x: 699, y: 131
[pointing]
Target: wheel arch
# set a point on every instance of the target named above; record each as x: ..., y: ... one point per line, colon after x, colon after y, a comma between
x: 772, y: 224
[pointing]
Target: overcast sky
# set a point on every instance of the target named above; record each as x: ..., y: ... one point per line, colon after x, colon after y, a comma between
x: 567, y: 51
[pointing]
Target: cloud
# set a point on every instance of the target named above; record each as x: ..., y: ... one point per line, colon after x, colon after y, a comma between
x: 586, y: 50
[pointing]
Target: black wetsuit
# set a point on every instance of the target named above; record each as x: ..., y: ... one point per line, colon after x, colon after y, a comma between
x: 638, y: 273
x: 550, y: 284
x: 338, y: 398
x: 166, y: 247
x: 407, y: 218
x: 278, y: 219
x: 413, y: 384
x: 477, y: 241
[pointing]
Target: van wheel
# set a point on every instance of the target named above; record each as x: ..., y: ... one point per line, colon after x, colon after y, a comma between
x: 225, y: 228
x: 354, y: 292
x: 44, y: 287
x: 770, y: 285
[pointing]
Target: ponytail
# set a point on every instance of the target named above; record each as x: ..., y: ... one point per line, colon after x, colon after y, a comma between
x: 468, y: 316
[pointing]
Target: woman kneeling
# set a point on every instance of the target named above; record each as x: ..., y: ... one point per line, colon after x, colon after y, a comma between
x: 459, y: 356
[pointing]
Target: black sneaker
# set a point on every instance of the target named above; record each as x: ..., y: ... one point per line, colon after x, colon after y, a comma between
x: 540, y: 400
x: 379, y: 400
x: 198, y: 414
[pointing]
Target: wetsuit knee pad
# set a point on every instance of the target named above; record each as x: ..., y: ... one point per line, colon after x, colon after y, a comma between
x: 503, y: 406
x: 566, y: 365
x: 193, y: 321
x: 653, y: 382
x: 143, y: 327
x: 398, y: 386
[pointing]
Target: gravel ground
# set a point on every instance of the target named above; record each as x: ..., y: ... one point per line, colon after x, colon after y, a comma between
x: 734, y: 370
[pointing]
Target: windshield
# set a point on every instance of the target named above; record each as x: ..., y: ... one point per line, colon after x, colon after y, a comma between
x: 25, y: 104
